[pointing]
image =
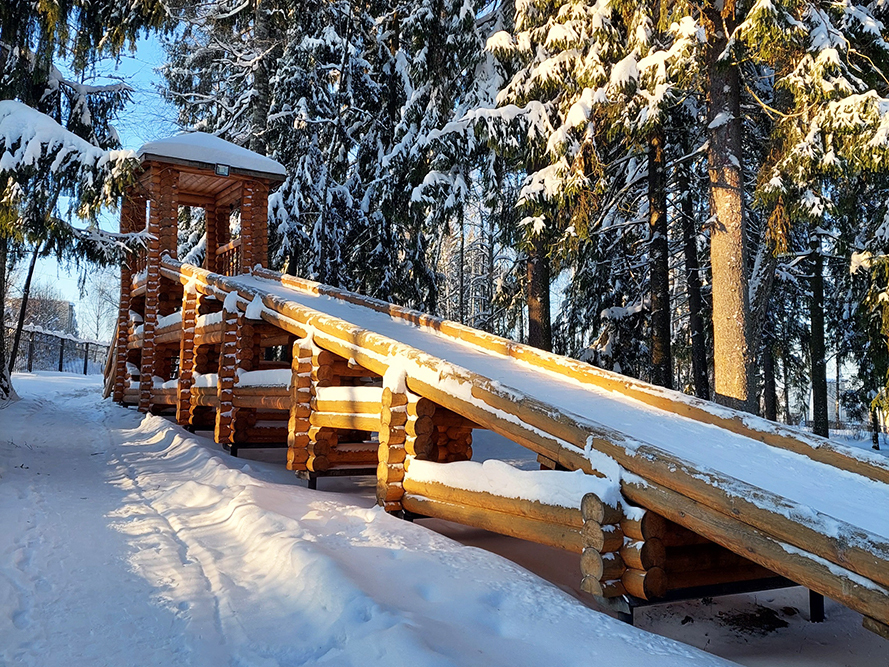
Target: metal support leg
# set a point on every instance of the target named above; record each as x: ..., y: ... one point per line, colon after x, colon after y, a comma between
x: 816, y: 607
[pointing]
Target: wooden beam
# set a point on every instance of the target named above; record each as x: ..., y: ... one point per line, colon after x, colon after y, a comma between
x: 230, y: 195
x: 193, y: 199
x: 349, y: 421
x: 564, y: 516
x: 848, y: 546
x: 801, y: 566
x: 542, y: 532
x: 206, y: 169
x: 881, y: 629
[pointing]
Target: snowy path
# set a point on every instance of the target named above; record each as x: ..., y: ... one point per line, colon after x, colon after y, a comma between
x: 59, y: 555
x: 126, y: 541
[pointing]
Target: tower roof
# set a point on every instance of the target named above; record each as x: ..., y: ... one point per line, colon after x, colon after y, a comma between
x: 206, y: 151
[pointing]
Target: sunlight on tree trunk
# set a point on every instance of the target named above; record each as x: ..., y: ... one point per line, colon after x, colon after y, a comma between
x: 732, y: 355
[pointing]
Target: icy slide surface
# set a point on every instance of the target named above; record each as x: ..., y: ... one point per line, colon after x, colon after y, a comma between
x: 846, y: 496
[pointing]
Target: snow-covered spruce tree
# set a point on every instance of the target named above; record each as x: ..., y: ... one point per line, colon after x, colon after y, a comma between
x: 826, y: 63
x: 327, y: 110
x: 690, y: 208
x: 592, y: 82
x: 556, y: 57
x: 55, y: 128
x: 428, y: 188
x: 858, y: 234
x: 645, y: 86
x: 219, y: 60
x: 326, y: 120
x: 43, y: 161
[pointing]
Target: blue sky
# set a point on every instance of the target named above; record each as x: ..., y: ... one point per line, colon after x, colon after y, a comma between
x: 147, y: 118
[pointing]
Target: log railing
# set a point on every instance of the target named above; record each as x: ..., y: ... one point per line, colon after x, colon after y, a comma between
x: 228, y: 258
x: 140, y: 260
x: 774, y: 434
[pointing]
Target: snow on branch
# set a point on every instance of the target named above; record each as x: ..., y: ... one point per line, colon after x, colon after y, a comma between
x: 36, y: 150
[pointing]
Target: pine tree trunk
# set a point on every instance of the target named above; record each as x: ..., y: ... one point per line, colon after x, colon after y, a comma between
x: 838, y: 398
x: 875, y: 429
x: 699, y: 367
x: 6, y: 391
x: 817, y: 346
x: 661, y: 357
x: 787, y: 418
x: 461, y: 301
x: 732, y: 353
x: 23, y: 310
x: 540, y: 333
x: 489, y: 283
x: 262, y: 97
x: 769, y: 390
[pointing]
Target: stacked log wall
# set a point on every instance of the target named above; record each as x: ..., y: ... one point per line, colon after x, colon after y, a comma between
x: 601, y: 566
x: 300, y: 397
x: 393, y: 449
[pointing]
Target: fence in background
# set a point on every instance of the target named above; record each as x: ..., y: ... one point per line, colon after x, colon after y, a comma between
x: 41, y: 350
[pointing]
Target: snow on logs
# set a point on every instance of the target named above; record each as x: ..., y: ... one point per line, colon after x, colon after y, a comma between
x: 820, y: 449
x: 540, y: 506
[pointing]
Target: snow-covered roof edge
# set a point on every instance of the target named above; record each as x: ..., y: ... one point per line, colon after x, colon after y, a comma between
x: 207, y: 151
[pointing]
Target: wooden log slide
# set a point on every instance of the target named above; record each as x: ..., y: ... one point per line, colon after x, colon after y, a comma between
x: 791, y: 545
x: 776, y: 435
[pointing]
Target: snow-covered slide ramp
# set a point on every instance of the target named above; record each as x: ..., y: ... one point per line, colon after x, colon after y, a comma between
x: 797, y: 505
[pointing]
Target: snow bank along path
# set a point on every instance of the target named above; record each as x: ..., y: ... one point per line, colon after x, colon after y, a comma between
x: 819, y: 519
x: 128, y: 541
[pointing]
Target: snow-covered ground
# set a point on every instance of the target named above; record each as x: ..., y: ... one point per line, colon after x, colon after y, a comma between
x: 127, y: 541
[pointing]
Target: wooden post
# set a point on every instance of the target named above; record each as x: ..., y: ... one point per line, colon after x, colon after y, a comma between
x: 254, y: 225
x: 228, y: 360
x: 186, y: 355
x: 132, y: 213
x: 300, y: 399
x: 162, y: 225
x: 394, y: 448
x: 31, y: 352
x: 247, y: 225
x: 248, y: 355
x: 600, y: 563
x: 211, y: 238
x: 322, y: 439
x: 86, y: 357
x: 61, y: 354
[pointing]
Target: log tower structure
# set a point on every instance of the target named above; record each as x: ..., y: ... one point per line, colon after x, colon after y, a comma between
x: 231, y: 185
